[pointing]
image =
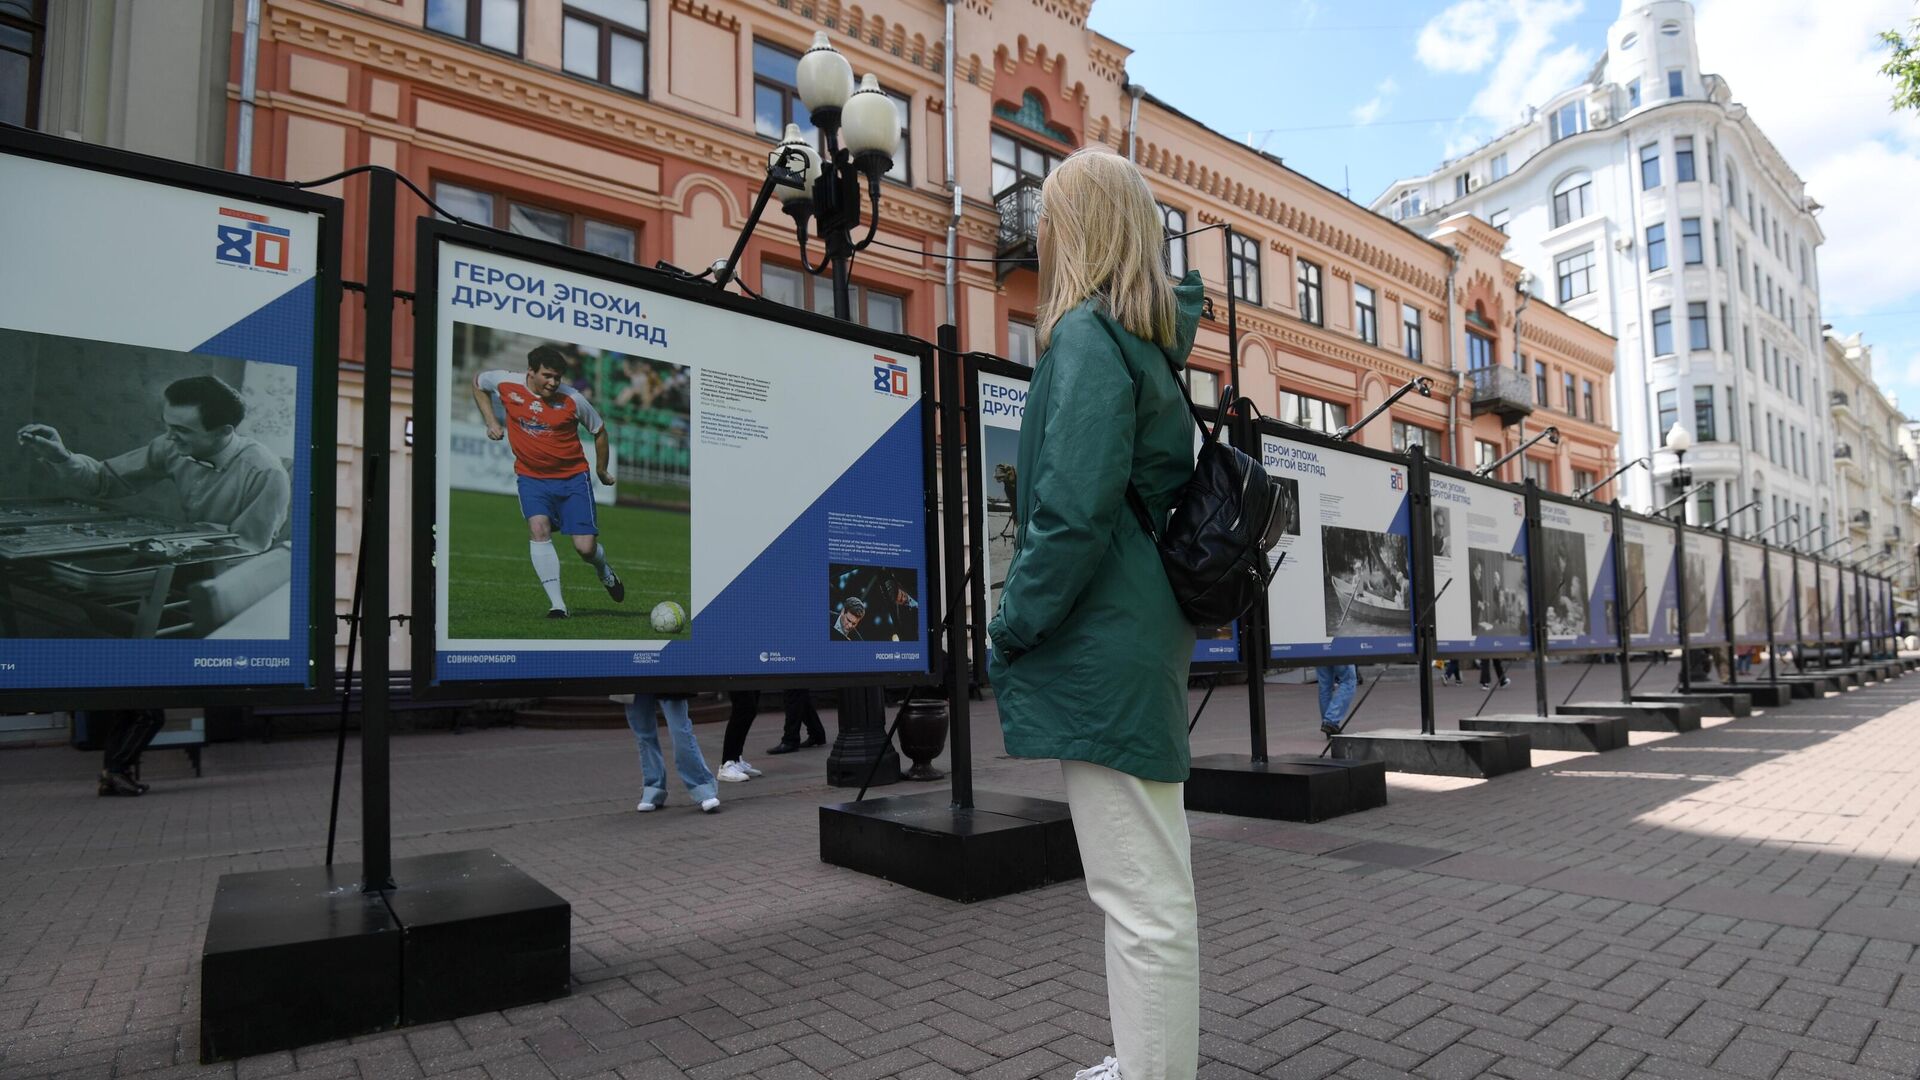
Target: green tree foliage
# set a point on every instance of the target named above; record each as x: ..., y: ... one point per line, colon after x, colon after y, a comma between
x: 1903, y: 67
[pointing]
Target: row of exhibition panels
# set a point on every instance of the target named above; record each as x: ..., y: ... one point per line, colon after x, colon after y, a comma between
x: 1381, y: 548
x: 811, y: 478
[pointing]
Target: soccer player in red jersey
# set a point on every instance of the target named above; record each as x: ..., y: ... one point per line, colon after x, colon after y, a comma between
x: 543, y: 425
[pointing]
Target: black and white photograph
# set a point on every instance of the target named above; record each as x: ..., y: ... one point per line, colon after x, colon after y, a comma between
x: 1288, y: 490
x: 1698, y: 595
x: 1499, y: 592
x: 145, y: 493
x: 1640, y: 601
x: 1000, y: 481
x: 1563, y: 558
x: 1442, y: 532
x: 1368, y: 592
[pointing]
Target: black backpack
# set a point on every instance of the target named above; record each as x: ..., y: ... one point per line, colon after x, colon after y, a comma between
x: 1224, y: 522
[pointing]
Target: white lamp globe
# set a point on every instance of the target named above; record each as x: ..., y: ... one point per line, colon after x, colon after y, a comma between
x: 787, y: 192
x: 869, y: 124
x: 1679, y: 439
x: 824, y: 78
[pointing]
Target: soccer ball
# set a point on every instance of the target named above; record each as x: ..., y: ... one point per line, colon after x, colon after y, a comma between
x: 669, y: 617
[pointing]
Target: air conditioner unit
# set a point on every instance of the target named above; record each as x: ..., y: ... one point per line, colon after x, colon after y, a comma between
x: 1473, y: 184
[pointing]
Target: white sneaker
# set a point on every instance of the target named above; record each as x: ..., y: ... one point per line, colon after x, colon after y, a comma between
x: 646, y: 806
x: 1106, y: 1070
x: 710, y: 806
x: 733, y: 773
x: 746, y: 767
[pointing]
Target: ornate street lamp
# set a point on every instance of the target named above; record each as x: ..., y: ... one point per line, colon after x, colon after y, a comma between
x: 1680, y: 440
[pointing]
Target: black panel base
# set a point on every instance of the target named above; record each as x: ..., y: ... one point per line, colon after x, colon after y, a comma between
x: 481, y: 936
x: 1815, y: 683
x: 1581, y: 733
x: 294, y: 957
x: 1763, y: 694
x: 1711, y: 702
x: 1641, y: 715
x: 1004, y: 844
x: 1287, y: 787
x: 1445, y: 753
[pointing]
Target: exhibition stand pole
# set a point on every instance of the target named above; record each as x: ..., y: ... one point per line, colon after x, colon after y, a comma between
x: 1252, y: 641
x: 1535, y: 594
x: 953, y: 537
x: 1424, y: 629
x: 1623, y: 612
x: 346, y: 692
x: 1680, y: 586
x: 376, y: 832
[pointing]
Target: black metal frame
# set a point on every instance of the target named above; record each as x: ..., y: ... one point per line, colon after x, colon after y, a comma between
x: 318, y: 685
x: 1652, y: 599
x: 1416, y: 484
x: 1766, y: 596
x: 1619, y: 601
x: 1518, y: 491
x: 978, y: 363
x: 1687, y: 636
x: 430, y: 234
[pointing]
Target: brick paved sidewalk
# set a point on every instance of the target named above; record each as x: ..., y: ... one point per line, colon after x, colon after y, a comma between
x: 1736, y: 902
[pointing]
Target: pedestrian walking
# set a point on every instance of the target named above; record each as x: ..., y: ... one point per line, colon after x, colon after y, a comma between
x: 124, y: 735
x: 1337, y: 682
x: 1090, y: 650
x: 745, y: 708
x: 1491, y: 670
x: 687, y: 759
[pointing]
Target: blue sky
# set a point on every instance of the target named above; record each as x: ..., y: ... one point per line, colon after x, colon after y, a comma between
x: 1356, y: 93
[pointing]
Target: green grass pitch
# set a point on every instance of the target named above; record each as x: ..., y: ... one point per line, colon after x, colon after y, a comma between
x: 492, y: 592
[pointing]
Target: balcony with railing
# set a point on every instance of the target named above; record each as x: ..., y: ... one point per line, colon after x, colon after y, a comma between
x: 1861, y: 520
x: 1019, y: 208
x: 1838, y: 402
x: 1502, y: 391
x: 1843, y: 455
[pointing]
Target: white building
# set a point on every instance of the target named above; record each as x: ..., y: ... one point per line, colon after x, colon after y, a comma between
x: 1648, y: 203
x: 1874, y: 476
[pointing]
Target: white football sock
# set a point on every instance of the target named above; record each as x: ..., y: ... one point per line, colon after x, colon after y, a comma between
x: 599, y: 560
x: 546, y: 563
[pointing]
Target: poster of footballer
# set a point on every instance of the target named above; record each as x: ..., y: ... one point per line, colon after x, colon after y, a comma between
x: 158, y: 483
x: 1342, y: 582
x: 1576, y: 585
x: 629, y: 482
x: 1001, y: 402
x: 1480, y: 585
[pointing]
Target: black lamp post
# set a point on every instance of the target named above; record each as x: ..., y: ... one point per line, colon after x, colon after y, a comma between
x: 1680, y: 440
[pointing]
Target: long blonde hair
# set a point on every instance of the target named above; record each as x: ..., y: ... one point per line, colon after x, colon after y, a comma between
x: 1103, y: 238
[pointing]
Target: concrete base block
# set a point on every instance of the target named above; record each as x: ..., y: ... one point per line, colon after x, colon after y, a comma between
x: 1582, y: 733
x: 1641, y: 715
x: 1711, y: 702
x: 1446, y: 753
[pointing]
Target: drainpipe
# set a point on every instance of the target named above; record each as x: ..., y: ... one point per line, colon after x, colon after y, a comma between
x: 1453, y: 362
x: 249, y: 80
x: 1136, y: 92
x: 953, y: 223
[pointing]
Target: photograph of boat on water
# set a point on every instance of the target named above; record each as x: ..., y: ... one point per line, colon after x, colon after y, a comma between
x: 1367, y: 589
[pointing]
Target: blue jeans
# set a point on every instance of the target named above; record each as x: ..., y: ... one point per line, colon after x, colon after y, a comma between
x: 1336, y: 691
x: 687, y: 760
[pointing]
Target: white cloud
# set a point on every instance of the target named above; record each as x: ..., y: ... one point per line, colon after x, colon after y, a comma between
x: 1370, y: 111
x: 1461, y: 38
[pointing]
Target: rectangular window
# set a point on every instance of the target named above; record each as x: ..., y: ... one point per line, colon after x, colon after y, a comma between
x: 1699, y: 337
x: 1709, y: 506
x: 606, y: 41
x: 574, y: 230
x: 1718, y: 259
x: 1633, y: 94
x: 1366, y: 315
x: 1805, y: 260
x: 1484, y: 453
x: 1690, y: 249
x: 1540, y: 385
x: 1497, y: 170
x: 1312, y: 413
x: 1663, y: 335
x: 869, y: 307
x: 1410, y: 331
x: 1773, y: 444
x: 1572, y: 199
x: 23, y: 46
x: 1308, y: 277
x: 776, y: 101
x: 1460, y: 186
x: 1479, y: 351
x: 1683, y: 159
x: 1753, y: 422
x: 1726, y: 329
x: 1586, y: 399
x: 1174, y: 222
x: 1733, y: 416
x: 1406, y: 205
x: 1650, y: 166
x: 1569, y: 119
x: 1656, y: 247
x: 1566, y: 387
x: 493, y: 23
x: 1014, y: 161
x: 1740, y: 265
x: 1022, y: 342
x: 1574, y: 274
x: 1407, y: 436
x: 1499, y: 218
x: 1203, y: 386
x: 1243, y: 265
x: 1669, y: 412
x: 1746, y: 346
x: 1676, y: 83
x: 1583, y: 480
x: 1703, y: 426
x: 1538, y: 470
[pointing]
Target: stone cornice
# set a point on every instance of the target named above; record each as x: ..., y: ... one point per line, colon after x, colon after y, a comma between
x: 1532, y: 332
x: 707, y: 13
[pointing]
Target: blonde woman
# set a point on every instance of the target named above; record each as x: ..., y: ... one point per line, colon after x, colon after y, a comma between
x: 1090, y: 651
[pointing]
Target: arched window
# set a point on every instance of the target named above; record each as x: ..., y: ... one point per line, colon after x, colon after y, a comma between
x: 1572, y: 198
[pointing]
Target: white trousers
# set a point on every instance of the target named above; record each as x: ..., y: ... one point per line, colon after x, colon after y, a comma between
x: 1139, y: 868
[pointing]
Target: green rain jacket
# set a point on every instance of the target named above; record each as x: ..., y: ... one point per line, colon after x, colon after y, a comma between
x: 1090, y: 650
